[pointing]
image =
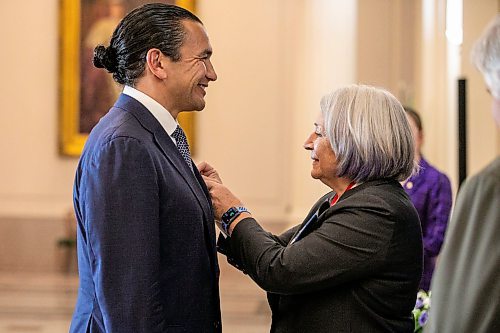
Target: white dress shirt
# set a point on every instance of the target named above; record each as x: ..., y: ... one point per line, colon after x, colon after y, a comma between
x: 161, y: 114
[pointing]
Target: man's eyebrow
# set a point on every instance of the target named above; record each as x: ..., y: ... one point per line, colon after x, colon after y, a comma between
x: 207, y: 52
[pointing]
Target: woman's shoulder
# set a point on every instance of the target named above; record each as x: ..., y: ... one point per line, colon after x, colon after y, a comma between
x: 383, y: 196
x: 378, y: 187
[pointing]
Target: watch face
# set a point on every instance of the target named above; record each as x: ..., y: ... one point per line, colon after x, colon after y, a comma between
x: 230, y: 215
x: 227, y: 216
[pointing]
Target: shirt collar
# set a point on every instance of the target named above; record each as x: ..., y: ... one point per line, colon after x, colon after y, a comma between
x: 161, y: 114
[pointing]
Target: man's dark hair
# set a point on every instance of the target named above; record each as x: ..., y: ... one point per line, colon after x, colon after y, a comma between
x: 154, y: 25
x: 415, y: 116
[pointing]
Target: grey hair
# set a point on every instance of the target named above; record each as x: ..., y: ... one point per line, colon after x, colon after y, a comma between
x: 485, y: 55
x: 369, y: 134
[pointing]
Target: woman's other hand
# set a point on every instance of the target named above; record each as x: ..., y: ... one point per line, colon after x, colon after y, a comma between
x: 222, y: 197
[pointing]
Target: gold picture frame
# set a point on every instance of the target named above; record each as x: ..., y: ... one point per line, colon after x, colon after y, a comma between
x: 77, y: 19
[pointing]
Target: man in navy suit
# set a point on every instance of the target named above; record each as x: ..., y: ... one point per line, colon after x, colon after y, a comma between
x: 146, y: 239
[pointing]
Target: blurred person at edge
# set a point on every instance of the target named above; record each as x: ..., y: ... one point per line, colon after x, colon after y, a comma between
x: 147, y: 255
x: 355, y: 262
x: 466, y: 284
x: 430, y: 191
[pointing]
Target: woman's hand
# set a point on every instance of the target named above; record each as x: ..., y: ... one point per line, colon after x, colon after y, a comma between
x: 222, y: 198
x: 206, y: 170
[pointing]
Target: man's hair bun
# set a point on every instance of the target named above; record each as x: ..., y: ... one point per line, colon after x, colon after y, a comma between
x: 103, y: 58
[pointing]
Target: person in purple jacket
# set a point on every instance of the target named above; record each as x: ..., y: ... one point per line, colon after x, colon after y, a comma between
x: 430, y: 192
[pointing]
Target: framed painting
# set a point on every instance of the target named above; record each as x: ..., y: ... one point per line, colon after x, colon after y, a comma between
x: 85, y: 91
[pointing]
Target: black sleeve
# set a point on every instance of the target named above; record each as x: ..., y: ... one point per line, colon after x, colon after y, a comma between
x: 224, y: 243
x: 349, y: 244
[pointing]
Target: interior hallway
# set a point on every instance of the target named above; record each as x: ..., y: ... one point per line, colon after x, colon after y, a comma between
x: 43, y: 302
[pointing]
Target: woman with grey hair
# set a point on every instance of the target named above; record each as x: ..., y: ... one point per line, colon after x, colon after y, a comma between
x: 355, y: 262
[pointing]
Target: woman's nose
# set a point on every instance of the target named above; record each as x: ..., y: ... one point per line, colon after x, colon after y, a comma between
x: 309, y: 144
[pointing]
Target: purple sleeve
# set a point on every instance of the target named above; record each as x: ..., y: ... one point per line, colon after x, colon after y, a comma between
x: 440, y: 201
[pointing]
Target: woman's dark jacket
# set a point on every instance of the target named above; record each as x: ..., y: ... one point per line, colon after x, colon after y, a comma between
x: 355, y: 268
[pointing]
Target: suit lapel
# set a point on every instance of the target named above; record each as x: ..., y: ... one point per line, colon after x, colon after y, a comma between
x: 210, y: 217
x: 172, y: 153
x: 168, y: 148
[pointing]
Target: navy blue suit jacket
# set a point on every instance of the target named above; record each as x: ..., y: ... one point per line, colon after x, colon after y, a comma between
x: 146, y: 239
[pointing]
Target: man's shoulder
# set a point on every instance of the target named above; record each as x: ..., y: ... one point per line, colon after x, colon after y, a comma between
x: 481, y: 191
x: 488, y: 176
x: 116, y: 130
x: 117, y: 123
x: 492, y: 170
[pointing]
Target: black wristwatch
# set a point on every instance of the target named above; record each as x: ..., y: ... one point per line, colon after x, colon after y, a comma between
x: 230, y: 215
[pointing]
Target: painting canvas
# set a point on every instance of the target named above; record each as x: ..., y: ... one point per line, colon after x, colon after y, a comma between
x: 86, y: 92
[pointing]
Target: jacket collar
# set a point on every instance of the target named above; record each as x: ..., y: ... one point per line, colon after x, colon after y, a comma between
x: 323, y: 204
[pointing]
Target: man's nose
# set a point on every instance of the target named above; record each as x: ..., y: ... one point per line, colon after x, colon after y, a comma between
x: 211, y: 74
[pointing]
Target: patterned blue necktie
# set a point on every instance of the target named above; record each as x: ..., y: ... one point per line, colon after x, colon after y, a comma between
x: 182, y: 145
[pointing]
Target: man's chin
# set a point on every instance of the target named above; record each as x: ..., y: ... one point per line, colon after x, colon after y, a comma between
x: 194, y: 107
x: 199, y: 106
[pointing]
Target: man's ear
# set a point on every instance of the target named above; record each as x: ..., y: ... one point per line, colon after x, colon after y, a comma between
x: 156, y: 63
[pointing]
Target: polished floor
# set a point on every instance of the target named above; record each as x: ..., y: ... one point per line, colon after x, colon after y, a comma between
x: 43, y: 302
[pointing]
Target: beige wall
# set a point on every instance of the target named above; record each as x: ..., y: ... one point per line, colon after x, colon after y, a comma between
x: 386, y: 46
x: 440, y: 65
x: 34, y: 179
x: 271, y: 58
x: 483, y: 136
x: 275, y: 60
x: 404, y: 48
x: 432, y: 89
